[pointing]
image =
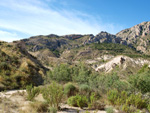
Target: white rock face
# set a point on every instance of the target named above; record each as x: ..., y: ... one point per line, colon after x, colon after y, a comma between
x: 121, y: 61
x: 96, y: 60
x: 91, y: 61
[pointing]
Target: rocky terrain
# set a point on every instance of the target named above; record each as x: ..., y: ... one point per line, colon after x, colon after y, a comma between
x: 137, y: 36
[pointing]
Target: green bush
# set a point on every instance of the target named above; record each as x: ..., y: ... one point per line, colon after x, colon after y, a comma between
x: 32, y: 92
x: 78, y: 101
x: 52, y: 110
x: 81, y: 74
x: 92, y: 99
x: 104, y: 83
x: 130, y: 109
x: 4, y: 66
x: 122, y: 98
x: 137, y: 101
x: 70, y: 89
x: 110, y: 110
x: 141, y: 81
x: 61, y: 73
x: 126, y: 108
x: 84, y: 89
x: 120, y: 85
x: 53, y: 94
x: 148, y: 107
x: 112, y: 96
x: 94, y: 104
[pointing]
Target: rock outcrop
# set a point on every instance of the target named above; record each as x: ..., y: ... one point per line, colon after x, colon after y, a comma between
x: 138, y: 36
x: 103, y: 37
x: 123, y: 62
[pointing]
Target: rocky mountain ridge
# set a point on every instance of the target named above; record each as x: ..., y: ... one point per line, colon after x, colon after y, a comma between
x: 136, y: 37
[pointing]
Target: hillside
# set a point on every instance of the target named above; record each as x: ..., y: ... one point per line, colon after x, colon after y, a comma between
x: 18, y: 68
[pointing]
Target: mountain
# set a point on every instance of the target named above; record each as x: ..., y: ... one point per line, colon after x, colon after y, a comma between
x: 138, y: 36
x: 50, y: 48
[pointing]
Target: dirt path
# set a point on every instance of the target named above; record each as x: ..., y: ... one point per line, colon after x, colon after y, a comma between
x: 68, y: 109
x: 15, y: 100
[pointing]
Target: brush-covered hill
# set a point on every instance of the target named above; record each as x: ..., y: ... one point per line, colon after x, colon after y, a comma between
x: 18, y: 68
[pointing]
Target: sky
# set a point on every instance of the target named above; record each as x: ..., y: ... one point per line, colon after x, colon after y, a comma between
x: 21, y: 19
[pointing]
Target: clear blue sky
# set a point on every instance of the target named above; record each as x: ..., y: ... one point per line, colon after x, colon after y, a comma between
x: 24, y: 18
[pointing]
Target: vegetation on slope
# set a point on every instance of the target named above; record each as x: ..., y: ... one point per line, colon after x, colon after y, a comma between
x: 16, y: 69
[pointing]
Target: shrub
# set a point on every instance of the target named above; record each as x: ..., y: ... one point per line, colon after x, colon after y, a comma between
x: 97, y: 105
x: 53, y: 94
x: 81, y: 74
x: 52, y: 110
x: 4, y: 66
x: 137, y: 101
x: 117, y: 98
x: 69, y: 89
x: 129, y: 109
x: 72, y: 101
x: 78, y: 101
x: 126, y: 108
x: 61, y: 73
x: 93, y: 103
x: 141, y: 81
x: 122, y: 98
x: 32, y: 92
x: 120, y: 85
x: 84, y: 89
x: 148, y: 107
x: 110, y: 80
x: 39, y: 107
x: 112, y: 96
x: 110, y: 110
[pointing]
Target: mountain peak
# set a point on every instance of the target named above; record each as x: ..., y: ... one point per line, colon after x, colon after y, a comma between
x: 138, y: 36
x: 141, y: 29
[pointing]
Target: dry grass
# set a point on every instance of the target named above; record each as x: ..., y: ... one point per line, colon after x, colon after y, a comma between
x: 7, y: 106
x: 36, y: 107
